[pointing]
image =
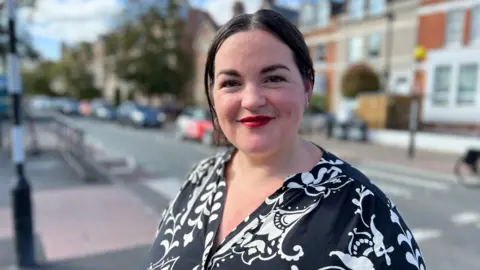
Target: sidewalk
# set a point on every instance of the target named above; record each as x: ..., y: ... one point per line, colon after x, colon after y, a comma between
x: 356, y: 152
x: 77, y: 225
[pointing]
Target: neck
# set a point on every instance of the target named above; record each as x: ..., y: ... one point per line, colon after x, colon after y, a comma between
x: 287, y: 160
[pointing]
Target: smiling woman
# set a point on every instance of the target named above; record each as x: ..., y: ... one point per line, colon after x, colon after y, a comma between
x: 274, y: 200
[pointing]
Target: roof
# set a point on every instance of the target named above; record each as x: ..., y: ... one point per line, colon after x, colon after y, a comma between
x: 290, y: 14
x: 209, y: 18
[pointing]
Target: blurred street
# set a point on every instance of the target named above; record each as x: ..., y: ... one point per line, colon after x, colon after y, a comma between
x: 77, y: 225
x: 444, y: 216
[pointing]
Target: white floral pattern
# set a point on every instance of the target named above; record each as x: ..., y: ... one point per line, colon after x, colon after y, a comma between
x: 313, y: 222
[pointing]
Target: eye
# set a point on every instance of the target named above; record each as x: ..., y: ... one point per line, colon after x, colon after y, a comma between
x: 229, y: 83
x: 275, y: 79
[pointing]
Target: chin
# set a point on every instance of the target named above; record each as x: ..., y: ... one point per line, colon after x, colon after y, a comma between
x: 257, y: 145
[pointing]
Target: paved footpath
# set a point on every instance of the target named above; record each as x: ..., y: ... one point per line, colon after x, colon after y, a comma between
x: 368, y: 152
x: 77, y: 225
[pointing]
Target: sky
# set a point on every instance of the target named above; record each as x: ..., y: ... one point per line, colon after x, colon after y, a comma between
x: 72, y: 21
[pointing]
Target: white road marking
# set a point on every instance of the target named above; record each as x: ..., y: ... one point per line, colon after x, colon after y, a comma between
x: 43, y: 164
x: 395, y: 168
x: 466, y: 218
x: 167, y: 187
x: 121, y: 170
x: 378, y: 176
x: 422, y: 235
x: 394, y: 190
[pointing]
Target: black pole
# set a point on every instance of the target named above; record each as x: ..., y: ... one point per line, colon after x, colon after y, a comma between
x: 21, y: 197
x: 414, y: 108
x: 388, y: 48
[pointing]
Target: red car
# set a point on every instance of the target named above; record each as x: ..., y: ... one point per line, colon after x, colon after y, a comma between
x: 195, y: 123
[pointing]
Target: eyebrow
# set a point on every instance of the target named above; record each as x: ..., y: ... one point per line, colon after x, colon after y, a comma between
x: 232, y: 72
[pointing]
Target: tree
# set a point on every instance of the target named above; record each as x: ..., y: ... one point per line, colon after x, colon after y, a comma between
x: 359, y: 78
x: 24, y: 42
x: 39, y: 80
x: 79, y: 82
x: 150, y: 54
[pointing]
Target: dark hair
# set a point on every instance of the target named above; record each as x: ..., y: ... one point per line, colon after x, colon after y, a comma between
x: 267, y: 20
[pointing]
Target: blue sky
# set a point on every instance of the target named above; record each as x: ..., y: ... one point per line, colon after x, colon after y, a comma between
x: 73, y: 21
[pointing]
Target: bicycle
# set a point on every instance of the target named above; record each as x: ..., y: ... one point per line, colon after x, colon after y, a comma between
x: 471, y: 159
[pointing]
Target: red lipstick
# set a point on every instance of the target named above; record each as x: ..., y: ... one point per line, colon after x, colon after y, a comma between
x: 255, y: 121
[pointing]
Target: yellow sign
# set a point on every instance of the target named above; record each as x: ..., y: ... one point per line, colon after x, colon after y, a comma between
x: 420, y: 53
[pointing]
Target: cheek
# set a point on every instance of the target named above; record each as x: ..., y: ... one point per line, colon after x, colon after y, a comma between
x: 226, y: 107
x: 288, y: 106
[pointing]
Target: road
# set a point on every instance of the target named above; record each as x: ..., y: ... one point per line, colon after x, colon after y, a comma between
x: 444, y: 217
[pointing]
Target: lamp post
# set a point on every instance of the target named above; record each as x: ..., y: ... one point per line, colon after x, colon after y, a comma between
x: 419, y: 55
x: 21, y: 197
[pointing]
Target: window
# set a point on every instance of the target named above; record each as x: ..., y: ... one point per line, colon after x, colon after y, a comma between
x: 323, y: 12
x: 475, y: 24
x: 454, y: 28
x: 356, y: 8
x: 442, y: 79
x: 376, y: 7
x: 320, y: 53
x: 374, y: 44
x: 355, y: 49
x: 308, y: 15
x: 319, y: 87
x: 467, y: 84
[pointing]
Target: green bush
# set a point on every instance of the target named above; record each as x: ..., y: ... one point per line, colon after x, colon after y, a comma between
x: 317, y: 104
x: 359, y: 78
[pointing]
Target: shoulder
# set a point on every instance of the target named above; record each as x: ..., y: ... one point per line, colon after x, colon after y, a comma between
x: 205, y: 167
x: 370, y: 229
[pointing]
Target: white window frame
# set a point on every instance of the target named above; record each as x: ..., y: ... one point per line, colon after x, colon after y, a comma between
x: 352, y: 51
x: 370, y: 37
x: 376, y: 7
x: 474, y: 34
x: 458, y: 93
x: 319, y: 88
x: 446, y: 97
x: 323, y: 13
x: 308, y: 17
x: 356, y: 9
x: 454, y: 33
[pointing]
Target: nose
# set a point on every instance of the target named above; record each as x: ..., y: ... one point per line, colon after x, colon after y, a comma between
x: 253, y: 97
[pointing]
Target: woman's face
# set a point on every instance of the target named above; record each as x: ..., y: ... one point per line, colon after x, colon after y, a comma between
x: 259, y: 94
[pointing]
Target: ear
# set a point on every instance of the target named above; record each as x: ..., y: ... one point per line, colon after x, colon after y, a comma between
x: 308, y: 91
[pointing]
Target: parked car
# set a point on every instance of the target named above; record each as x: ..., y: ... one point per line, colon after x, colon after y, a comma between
x: 105, y: 112
x: 196, y: 123
x: 69, y: 107
x: 85, y: 108
x: 131, y: 113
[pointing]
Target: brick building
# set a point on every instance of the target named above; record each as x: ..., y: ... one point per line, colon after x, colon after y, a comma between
x: 449, y: 77
x: 318, y: 23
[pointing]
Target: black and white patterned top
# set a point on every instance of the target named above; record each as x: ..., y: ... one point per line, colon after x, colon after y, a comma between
x: 331, y: 217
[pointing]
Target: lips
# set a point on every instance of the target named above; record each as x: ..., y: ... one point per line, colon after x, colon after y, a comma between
x: 256, y: 121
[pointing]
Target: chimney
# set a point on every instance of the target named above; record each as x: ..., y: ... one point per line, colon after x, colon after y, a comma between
x: 269, y: 2
x: 238, y: 8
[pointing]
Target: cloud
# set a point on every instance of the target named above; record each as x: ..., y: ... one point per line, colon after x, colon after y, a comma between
x: 70, y: 20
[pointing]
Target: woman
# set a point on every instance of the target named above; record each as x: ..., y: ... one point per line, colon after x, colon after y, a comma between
x: 275, y: 200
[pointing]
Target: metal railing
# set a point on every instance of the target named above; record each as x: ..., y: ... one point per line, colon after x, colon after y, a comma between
x: 72, y: 144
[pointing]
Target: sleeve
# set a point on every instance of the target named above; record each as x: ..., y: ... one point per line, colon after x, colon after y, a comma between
x: 378, y: 237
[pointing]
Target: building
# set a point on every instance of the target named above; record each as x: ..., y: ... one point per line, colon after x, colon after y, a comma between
x: 318, y: 23
x: 381, y: 33
x: 449, y: 78
x: 290, y: 14
x: 205, y: 33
